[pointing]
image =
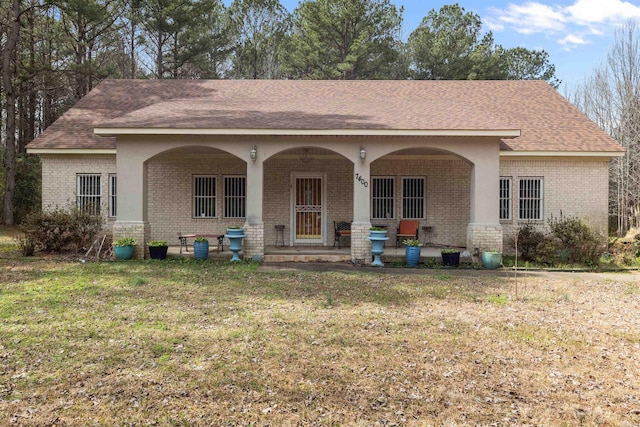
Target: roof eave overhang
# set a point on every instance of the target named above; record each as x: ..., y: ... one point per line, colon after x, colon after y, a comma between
x: 561, y: 153
x: 495, y: 133
x: 71, y: 150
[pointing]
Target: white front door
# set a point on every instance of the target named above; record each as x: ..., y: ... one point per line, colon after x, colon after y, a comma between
x: 308, y: 201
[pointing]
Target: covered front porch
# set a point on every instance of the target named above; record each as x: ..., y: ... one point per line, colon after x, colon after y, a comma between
x: 297, y: 188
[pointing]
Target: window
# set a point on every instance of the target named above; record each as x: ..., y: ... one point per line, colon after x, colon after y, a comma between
x: 413, y: 192
x: 382, y: 199
x: 204, y: 196
x: 88, y: 193
x: 235, y: 196
x: 530, y: 199
x: 113, y: 196
x: 505, y: 198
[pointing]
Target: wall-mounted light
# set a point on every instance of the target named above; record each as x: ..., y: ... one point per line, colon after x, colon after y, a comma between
x: 363, y: 154
x: 254, y: 153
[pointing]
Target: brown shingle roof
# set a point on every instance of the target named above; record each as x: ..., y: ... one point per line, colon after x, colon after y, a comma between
x: 548, y: 122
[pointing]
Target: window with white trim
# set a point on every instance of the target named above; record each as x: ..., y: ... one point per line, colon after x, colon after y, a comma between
x: 113, y: 195
x: 235, y: 196
x: 204, y: 196
x: 413, y: 198
x: 383, y: 198
x: 88, y: 193
x: 530, y: 198
x: 505, y: 198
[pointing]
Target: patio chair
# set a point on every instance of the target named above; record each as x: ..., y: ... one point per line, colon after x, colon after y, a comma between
x: 341, y: 229
x: 407, y: 229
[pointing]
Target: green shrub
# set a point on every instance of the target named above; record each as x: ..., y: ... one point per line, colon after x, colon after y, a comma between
x: 579, y: 243
x: 61, y: 229
x: 158, y: 243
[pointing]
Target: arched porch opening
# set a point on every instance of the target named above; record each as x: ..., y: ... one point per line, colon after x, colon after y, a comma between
x: 194, y: 189
x: 424, y: 184
x: 307, y: 189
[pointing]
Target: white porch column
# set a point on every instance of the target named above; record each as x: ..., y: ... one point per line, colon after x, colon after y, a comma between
x: 484, y: 231
x: 360, y: 245
x: 254, y: 226
x: 132, y: 199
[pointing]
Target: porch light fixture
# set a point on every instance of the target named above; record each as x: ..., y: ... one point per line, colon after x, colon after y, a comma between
x: 254, y: 153
x: 363, y: 153
x: 306, y: 157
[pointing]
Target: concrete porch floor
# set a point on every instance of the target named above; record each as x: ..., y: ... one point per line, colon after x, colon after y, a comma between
x: 313, y: 253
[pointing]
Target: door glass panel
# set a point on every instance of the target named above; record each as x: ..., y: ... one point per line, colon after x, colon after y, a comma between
x: 308, y: 209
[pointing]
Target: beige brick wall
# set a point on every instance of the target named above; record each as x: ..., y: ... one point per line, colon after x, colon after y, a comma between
x: 59, y: 179
x: 448, y: 196
x: 577, y: 187
x: 170, y: 189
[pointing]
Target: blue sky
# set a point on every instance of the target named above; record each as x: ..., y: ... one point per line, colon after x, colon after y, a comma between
x: 577, y: 34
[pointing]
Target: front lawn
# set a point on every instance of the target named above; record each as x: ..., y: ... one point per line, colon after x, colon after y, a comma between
x: 179, y: 342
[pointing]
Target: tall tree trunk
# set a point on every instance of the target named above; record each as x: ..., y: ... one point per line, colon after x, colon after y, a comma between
x: 8, y: 56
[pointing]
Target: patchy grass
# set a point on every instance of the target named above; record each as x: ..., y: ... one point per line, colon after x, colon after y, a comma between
x: 186, y: 343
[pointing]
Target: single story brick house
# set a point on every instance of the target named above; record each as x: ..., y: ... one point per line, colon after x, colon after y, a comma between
x: 470, y: 160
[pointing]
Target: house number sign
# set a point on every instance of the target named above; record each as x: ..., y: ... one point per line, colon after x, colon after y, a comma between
x: 362, y: 181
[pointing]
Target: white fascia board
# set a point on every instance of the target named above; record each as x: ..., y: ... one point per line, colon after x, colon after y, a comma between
x: 499, y: 133
x: 561, y: 153
x: 71, y: 150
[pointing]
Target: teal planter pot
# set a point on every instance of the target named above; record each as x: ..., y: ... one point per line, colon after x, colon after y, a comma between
x: 235, y: 236
x: 412, y: 255
x: 236, y: 232
x: 491, y: 260
x: 377, y: 245
x: 123, y: 252
x: 201, y: 250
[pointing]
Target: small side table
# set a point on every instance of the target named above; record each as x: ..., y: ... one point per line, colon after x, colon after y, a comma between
x: 279, y: 234
x: 428, y: 230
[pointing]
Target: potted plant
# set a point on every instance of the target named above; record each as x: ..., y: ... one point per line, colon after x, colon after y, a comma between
x: 378, y: 236
x: 412, y: 251
x: 450, y: 257
x: 158, y: 249
x: 123, y: 247
x: 201, y: 248
x: 235, y: 234
x: 491, y: 259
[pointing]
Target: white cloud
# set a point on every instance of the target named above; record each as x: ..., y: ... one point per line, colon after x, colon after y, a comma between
x: 531, y: 17
x: 597, y: 11
x: 572, y: 40
x: 577, y: 22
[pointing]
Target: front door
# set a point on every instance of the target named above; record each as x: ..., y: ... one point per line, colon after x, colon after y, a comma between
x: 307, y: 209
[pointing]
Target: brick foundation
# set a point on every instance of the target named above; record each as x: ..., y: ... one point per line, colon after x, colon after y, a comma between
x: 254, y: 242
x: 484, y: 237
x: 140, y: 231
x: 360, y: 245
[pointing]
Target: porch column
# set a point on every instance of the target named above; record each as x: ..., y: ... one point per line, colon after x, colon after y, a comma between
x: 254, y: 226
x: 484, y: 231
x: 132, y: 200
x: 360, y: 245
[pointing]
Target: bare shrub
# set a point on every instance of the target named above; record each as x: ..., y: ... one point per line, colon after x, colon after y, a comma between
x: 529, y: 239
x: 61, y: 229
